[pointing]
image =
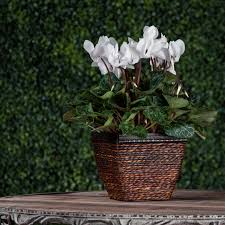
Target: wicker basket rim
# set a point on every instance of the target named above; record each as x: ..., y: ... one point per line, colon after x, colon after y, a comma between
x: 151, y: 137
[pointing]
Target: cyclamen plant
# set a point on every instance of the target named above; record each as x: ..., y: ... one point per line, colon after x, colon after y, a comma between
x: 129, y: 101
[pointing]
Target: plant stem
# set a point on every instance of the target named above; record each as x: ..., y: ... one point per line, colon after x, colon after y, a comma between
x: 153, y: 64
x: 118, y: 115
x: 154, y: 128
x: 110, y: 77
x: 137, y: 73
x: 151, y: 126
x: 200, y: 134
x: 124, y: 73
x: 139, y: 118
x: 93, y: 129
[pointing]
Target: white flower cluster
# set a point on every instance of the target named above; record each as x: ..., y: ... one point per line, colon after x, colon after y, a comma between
x: 107, y: 55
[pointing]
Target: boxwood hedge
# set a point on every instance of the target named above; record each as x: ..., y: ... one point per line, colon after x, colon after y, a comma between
x: 43, y: 65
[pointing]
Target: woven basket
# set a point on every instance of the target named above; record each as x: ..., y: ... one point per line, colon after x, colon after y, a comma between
x: 134, y: 169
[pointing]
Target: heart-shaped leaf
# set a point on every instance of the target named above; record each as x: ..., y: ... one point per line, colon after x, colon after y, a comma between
x: 107, y: 95
x: 129, y: 128
x: 175, y: 113
x: 157, y: 115
x: 180, y: 131
x: 176, y: 102
x: 203, y: 117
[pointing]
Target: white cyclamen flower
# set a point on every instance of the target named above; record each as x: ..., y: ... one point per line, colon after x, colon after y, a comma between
x: 97, y: 53
x: 110, y: 58
x: 160, y: 48
x: 176, y: 49
x: 122, y: 58
x: 129, y: 54
x: 145, y: 44
x: 112, y: 55
x: 152, y: 46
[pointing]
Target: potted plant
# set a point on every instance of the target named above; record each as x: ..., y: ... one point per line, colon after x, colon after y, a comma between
x: 141, y: 115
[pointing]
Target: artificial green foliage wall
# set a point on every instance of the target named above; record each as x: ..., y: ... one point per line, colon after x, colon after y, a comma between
x: 43, y: 65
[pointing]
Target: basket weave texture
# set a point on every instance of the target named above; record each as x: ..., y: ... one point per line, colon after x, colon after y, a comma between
x: 134, y: 169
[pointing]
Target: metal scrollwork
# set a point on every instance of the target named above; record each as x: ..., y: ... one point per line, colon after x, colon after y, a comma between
x: 26, y: 217
x: 23, y: 219
x: 5, y: 219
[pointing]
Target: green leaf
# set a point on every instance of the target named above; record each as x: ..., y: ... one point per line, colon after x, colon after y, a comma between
x: 108, y: 121
x: 140, y: 131
x: 130, y: 129
x: 168, y: 86
x: 200, y: 134
x: 89, y: 108
x: 175, y: 113
x: 157, y: 78
x: 96, y: 93
x: 131, y: 117
x: 84, y: 109
x: 176, y: 102
x: 128, y: 101
x: 204, y: 117
x: 107, y: 125
x: 119, y: 101
x: 117, y: 83
x: 157, y: 115
x: 118, y: 107
x: 180, y: 131
x: 138, y: 109
x: 139, y: 100
x: 170, y: 79
x: 104, y: 83
x: 107, y: 95
x: 143, y: 101
x: 153, y: 81
x: 106, y: 113
x: 158, y: 100
x: 126, y: 128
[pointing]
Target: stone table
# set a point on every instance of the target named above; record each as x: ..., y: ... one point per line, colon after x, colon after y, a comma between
x: 85, y: 208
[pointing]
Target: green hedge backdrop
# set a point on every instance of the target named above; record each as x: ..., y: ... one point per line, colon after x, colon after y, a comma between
x: 43, y: 65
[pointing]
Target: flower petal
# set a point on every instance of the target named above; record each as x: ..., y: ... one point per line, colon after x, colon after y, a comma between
x: 142, y: 48
x: 132, y: 43
x: 113, y: 41
x: 102, y: 67
x: 150, y: 32
x: 88, y: 46
x: 171, y: 69
x: 117, y: 71
x: 102, y: 40
x: 176, y: 49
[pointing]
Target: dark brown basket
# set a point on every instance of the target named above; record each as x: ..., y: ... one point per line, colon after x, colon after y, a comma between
x: 135, y: 169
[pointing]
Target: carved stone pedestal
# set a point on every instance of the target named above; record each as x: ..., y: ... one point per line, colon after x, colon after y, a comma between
x: 86, y: 208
